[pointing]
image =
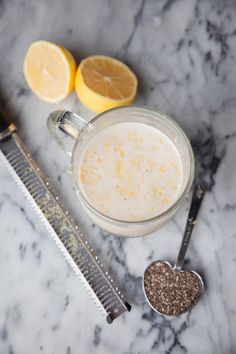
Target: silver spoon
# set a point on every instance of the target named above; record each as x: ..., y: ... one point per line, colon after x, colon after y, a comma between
x: 173, y: 291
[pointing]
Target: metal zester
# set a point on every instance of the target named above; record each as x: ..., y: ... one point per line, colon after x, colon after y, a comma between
x: 67, y: 235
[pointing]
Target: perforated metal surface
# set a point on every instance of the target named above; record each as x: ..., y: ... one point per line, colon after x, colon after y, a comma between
x: 67, y: 235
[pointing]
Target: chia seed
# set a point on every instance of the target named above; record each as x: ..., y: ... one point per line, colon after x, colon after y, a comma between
x: 171, y: 292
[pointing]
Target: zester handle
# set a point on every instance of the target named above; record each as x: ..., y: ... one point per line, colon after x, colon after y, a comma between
x: 6, y: 127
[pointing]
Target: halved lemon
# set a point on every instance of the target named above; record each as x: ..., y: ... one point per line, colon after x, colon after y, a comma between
x: 49, y: 70
x: 102, y: 82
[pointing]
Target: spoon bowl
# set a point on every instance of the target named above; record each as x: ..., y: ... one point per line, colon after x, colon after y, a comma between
x: 169, y: 291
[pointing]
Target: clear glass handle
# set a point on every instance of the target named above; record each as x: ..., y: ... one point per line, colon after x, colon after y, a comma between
x: 63, y: 124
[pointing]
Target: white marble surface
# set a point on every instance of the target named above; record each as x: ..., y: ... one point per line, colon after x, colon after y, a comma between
x: 183, y: 52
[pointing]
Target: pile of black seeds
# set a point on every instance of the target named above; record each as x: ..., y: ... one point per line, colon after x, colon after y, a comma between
x: 171, y: 292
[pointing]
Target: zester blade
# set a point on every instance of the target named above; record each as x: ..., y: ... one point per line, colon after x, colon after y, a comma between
x: 67, y: 235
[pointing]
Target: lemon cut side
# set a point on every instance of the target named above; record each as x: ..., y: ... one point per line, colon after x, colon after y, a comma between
x: 102, y: 82
x: 49, y: 70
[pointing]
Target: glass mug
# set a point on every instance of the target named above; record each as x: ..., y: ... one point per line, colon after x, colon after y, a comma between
x: 64, y: 123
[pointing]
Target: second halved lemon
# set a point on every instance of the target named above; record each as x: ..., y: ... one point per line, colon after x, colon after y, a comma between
x: 103, y: 82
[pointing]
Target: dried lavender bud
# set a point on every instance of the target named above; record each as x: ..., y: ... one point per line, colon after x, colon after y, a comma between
x: 171, y: 292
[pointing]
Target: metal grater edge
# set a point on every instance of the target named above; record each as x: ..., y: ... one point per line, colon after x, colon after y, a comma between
x: 61, y: 246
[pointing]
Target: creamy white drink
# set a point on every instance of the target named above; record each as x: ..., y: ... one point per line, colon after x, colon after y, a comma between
x: 130, y: 171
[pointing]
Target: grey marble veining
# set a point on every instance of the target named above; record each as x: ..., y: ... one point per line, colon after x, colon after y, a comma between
x: 183, y: 52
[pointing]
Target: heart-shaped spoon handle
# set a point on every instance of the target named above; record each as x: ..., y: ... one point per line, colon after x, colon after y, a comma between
x: 197, y: 198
